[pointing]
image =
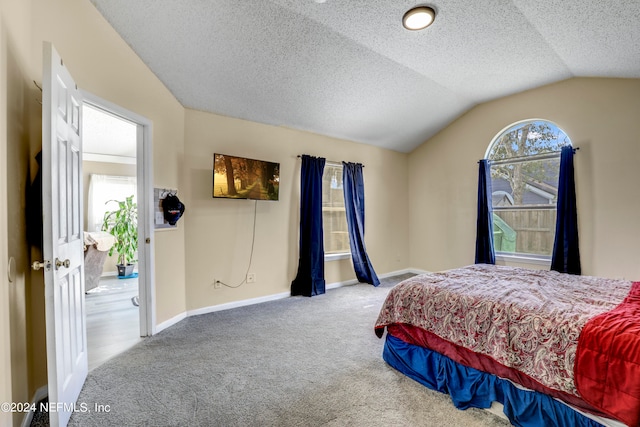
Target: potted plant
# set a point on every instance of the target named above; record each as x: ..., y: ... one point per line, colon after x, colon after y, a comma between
x: 122, y: 223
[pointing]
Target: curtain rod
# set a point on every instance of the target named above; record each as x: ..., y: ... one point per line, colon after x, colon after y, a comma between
x: 330, y: 161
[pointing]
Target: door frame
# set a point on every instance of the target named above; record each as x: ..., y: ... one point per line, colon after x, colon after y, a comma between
x: 5, y: 328
x: 144, y: 174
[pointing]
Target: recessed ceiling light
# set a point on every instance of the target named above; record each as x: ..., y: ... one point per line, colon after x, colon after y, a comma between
x: 418, y: 18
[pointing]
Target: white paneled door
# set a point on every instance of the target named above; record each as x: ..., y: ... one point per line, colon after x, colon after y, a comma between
x: 63, y: 237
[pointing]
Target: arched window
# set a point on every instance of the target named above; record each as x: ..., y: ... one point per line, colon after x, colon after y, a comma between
x: 525, y: 162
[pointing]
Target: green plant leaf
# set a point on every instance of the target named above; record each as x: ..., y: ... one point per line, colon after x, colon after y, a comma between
x: 122, y: 223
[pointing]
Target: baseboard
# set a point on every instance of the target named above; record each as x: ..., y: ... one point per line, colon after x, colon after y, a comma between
x: 415, y: 271
x: 403, y: 271
x: 236, y: 304
x: 168, y: 323
x: 380, y: 276
x: 40, y: 394
x: 336, y: 285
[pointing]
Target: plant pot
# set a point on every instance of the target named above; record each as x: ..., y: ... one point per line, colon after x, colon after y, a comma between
x: 125, y: 270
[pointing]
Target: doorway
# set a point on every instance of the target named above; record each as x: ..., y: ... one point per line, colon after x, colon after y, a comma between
x: 118, y: 308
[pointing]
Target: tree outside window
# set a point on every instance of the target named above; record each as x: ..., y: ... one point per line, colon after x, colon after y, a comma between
x: 525, y: 163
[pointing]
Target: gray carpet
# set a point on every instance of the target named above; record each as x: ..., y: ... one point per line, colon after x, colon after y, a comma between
x: 293, y: 362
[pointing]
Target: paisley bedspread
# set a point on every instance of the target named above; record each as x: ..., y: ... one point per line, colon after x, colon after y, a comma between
x: 528, y: 320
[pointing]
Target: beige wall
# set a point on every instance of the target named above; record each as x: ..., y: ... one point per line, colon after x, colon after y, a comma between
x: 219, y: 231
x: 103, y: 64
x: 19, y: 101
x: 18, y: 177
x: 599, y: 115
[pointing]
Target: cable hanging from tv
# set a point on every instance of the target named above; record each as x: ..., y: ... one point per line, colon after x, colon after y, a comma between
x: 253, y: 243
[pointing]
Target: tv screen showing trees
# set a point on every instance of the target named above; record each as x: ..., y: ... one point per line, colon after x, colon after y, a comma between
x: 242, y: 178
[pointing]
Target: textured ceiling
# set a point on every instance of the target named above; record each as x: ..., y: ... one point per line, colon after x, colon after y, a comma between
x: 348, y: 69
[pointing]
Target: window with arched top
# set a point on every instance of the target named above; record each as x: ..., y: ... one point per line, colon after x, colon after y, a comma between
x: 525, y: 164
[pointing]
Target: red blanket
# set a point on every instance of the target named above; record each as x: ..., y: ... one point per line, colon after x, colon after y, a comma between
x: 607, y: 366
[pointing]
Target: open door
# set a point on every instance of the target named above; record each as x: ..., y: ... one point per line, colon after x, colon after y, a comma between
x: 63, y: 238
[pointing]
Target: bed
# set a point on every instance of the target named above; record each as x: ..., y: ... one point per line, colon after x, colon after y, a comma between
x: 552, y: 348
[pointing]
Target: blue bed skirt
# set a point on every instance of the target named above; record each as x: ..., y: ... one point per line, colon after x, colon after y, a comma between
x: 469, y: 387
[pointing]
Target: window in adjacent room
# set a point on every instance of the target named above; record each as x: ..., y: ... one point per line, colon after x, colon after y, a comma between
x: 525, y: 163
x: 334, y: 218
x: 102, y: 190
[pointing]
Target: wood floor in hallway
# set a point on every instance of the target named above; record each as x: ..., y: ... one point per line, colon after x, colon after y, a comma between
x: 113, y: 323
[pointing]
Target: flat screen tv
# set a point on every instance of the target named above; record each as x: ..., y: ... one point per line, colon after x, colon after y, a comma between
x: 242, y: 178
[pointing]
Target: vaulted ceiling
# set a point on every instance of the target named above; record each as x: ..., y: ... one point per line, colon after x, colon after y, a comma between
x: 348, y: 68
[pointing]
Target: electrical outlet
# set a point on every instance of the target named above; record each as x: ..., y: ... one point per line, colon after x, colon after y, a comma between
x: 216, y: 284
x: 251, y: 278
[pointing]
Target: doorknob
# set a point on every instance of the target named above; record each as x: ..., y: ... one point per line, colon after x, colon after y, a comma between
x: 37, y: 265
x: 66, y: 263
